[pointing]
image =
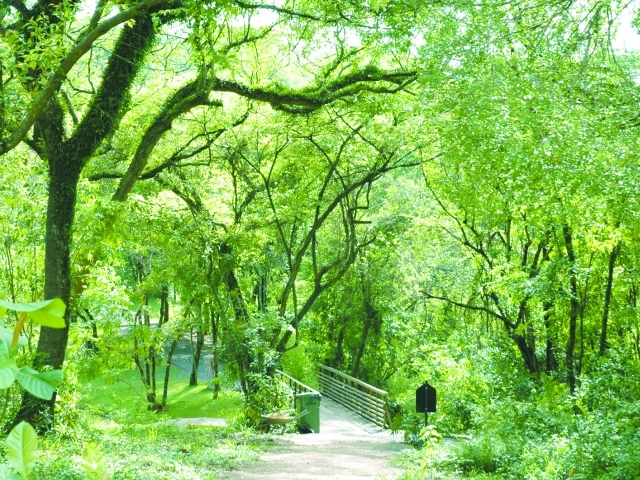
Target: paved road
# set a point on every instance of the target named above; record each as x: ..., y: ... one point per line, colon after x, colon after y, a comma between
x: 347, y: 447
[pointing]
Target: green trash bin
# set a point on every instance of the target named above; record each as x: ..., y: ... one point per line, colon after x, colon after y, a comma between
x: 311, y: 403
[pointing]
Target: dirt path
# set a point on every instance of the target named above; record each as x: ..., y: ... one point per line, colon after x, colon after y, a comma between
x: 347, y: 447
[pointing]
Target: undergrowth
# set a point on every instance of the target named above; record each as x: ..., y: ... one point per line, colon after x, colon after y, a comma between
x: 498, y: 426
x: 106, y: 427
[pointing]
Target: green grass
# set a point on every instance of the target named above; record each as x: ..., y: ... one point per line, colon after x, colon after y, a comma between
x: 141, y: 452
x: 126, y: 395
x: 191, y: 402
x: 111, y: 428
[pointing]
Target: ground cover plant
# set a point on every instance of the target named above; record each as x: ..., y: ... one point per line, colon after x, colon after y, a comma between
x: 111, y: 434
x: 126, y: 393
x: 513, y: 426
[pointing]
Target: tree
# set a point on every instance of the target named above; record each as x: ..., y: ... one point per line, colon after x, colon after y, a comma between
x: 525, y: 174
x: 295, y: 218
x: 47, y: 46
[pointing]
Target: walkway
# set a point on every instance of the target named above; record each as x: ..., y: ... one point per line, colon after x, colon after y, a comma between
x: 347, y: 447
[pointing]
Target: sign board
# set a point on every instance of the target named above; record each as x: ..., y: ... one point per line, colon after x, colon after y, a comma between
x: 425, y: 399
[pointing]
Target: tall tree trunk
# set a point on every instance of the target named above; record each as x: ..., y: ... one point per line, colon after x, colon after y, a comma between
x: 361, y: 345
x: 550, y: 357
x: 527, y: 351
x: 145, y: 356
x: 197, y: 352
x: 215, y: 325
x: 167, y: 372
x: 615, y: 251
x: 164, y: 306
x: 550, y: 354
x: 338, y: 356
x: 66, y: 159
x: 526, y: 342
x: 241, y: 353
x: 371, y: 320
x: 260, y: 291
x: 575, y: 309
x: 52, y: 344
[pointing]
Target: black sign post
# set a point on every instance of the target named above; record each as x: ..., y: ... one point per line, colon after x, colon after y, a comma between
x: 425, y: 400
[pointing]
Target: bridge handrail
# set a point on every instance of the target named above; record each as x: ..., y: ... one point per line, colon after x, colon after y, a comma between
x: 296, y: 385
x: 366, y: 400
x: 354, y: 380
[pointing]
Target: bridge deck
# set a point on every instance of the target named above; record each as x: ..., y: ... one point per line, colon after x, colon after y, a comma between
x: 338, y: 420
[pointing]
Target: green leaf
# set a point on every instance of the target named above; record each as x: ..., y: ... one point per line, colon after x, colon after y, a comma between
x: 8, y: 372
x: 52, y: 377
x: 7, y: 473
x: 6, y: 337
x: 5, y: 346
x: 48, y: 313
x: 39, y: 384
x: 22, y: 443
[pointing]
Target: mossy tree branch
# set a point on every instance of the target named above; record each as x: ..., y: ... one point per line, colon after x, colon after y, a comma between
x: 312, y: 98
x: 66, y: 159
x: 112, y: 98
x: 176, y: 159
x: 195, y: 93
x: 273, y: 8
x: 187, y: 97
x: 82, y: 46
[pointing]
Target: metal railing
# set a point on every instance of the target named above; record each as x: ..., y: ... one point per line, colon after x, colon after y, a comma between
x: 360, y: 397
x: 295, y: 385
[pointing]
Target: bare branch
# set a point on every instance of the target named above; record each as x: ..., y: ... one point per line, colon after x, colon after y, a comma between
x: 97, y: 15
x: 249, y: 38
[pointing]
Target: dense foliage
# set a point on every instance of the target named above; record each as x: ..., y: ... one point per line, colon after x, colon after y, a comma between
x: 400, y: 190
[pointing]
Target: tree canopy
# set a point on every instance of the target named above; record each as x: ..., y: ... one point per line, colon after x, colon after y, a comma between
x: 387, y: 187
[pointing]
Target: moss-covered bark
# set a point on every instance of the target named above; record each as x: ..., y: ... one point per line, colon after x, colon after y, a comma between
x: 66, y: 159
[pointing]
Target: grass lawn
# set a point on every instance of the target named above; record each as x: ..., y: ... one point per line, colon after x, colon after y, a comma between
x: 126, y: 394
x: 112, y: 431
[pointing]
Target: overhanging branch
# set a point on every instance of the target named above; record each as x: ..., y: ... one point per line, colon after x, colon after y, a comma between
x: 274, y: 8
x: 312, y: 98
x: 468, y: 306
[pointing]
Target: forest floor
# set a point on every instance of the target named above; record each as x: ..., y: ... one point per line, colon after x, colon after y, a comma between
x: 347, y: 447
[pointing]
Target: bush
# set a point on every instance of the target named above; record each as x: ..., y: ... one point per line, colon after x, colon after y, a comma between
x: 268, y: 394
x: 527, y: 428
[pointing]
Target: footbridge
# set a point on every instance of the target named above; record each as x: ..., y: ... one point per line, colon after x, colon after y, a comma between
x: 348, y: 404
x: 352, y: 442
